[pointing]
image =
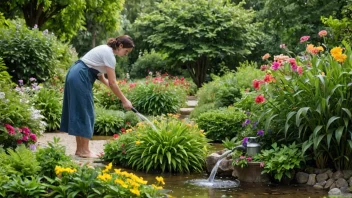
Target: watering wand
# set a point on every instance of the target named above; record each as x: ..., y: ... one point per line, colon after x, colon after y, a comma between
x: 134, y: 110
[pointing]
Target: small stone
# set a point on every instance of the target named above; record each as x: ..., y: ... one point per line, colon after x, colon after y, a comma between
x: 329, y: 172
x: 322, y: 177
x: 311, y: 179
x: 318, y: 187
x: 319, y: 171
x: 337, y: 175
x: 329, y: 183
x: 347, y: 174
x: 335, y: 191
x: 341, y: 182
x: 350, y: 181
x: 302, y: 177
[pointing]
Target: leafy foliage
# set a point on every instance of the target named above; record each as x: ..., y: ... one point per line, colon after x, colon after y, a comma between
x: 24, y: 187
x: 22, y: 161
x: 221, y: 123
x: 196, y: 32
x: 108, y: 122
x: 173, y: 146
x: 281, y: 161
x: 51, y: 156
x: 48, y: 101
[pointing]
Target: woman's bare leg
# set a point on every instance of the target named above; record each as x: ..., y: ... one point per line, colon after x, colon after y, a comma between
x: 79, y: 147
x: 84, y: 149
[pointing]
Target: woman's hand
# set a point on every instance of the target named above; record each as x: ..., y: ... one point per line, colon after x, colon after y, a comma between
x: 127, y: 104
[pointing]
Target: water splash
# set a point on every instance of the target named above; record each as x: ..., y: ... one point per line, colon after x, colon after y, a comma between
x: 142, y: 117
x: 215, y: 168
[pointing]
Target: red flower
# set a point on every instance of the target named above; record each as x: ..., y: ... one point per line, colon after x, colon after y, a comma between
x: 269, y: 78
x: 33, y: 137
x: 260, y: 99
x: 115, y: 136
x: 123, y: 129
x: 256, y: 83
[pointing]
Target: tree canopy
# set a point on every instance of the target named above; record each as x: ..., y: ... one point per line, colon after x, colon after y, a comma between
x: 196, y: 31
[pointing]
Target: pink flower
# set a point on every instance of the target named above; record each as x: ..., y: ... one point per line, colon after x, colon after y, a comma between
x: 304, y: 39
x: 323, y: 33
x: 299, y: 70
x: 10, y: 129
x: 132, y: 85
x: 256, y: 83
x: 266, y: 56
x: 25, y: 138
x: 275, y: 65
x: 33, y: 137
x: 19, y: 141
x: 282, y: 46
x: 26, y: 131
x: 264, y: 67
x: 260, y: 99
x: 242, y: 157
x: 249, y: 159
x: 261, y: 164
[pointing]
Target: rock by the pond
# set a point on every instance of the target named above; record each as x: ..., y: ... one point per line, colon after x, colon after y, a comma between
x: 347, y: 174
x: 211, y: 160
x: 332, y: 186
x: 329, y: 183
x: 350, y: 181
x: 337, y: 175
x: 341, y: 182
x: 335, y: 191
x: 302, y: 177
x: 322, y: 177
x: 225, y: 167
x: 329, y: 172
x: 311, y: 179
x: 318, y: 187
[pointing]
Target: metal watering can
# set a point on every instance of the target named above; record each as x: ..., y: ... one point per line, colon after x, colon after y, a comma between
x: 252, y: 148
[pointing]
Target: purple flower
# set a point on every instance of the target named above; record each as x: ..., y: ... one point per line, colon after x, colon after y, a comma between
x: 260, y: 132
x: 255, y: 124
x: 32, y: 147
x: 247, y: 121
x: 20, y: 82
x: 46, y: 31
x: 32, y: 79
x: 244, y: 141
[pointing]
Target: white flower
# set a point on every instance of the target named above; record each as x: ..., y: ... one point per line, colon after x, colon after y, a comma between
x: 2, y: 95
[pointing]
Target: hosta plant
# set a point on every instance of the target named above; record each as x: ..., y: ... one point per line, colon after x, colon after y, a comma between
x: 108, y: 122
x: 174, y: 146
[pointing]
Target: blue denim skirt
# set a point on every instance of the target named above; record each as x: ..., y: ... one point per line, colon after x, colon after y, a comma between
x: 78, y: 105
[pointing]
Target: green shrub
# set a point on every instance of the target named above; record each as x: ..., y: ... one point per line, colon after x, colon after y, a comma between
x: 151, y: 62
x: 51, y: 156
x: 158, y: 97
x: 30, y: 186
x: 221, y: 123
x: 199, y: 109
x: 245, y: 73
x: 104, y: 97
x: 108, y: 122
x: 222, y: 91
x: 31, y: 53
x: 131, y: 119
x: 281, y: 161
x: 174, y: 147
x: 22, y: 160
x: 49, y: 102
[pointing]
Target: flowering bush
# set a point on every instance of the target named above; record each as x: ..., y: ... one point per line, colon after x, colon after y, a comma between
x: 10, y: 136
x: 106, y: 183
x: 306, y: 99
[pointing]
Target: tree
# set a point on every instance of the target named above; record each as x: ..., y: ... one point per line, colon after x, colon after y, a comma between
x: 195, y: 32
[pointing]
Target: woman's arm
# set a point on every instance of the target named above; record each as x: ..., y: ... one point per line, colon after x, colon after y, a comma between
x: 115, y: 88
x: 103, y: 80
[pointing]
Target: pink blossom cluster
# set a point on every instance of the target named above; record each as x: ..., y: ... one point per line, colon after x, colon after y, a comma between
x: 21, y: 135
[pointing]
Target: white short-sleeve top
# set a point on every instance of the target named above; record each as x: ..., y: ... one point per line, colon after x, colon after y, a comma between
x: 99, y: 57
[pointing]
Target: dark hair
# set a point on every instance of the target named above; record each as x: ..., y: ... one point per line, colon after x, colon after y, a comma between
x: 125, y: 40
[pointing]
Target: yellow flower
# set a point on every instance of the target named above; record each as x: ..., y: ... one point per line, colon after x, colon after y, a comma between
x: 138, y: 142
x: 135, y: 191
x: 322, y: 73
x: 117, y: 171
x: 122, y: 183
x: 336, y: 51
x: 109, y: 166
x: 160, y: 180
x: 105, y: 177
x: 59, y: 170
x: 157, y: 187
x: 340, y: 58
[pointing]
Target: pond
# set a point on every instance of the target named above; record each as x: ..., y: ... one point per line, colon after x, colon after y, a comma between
x: 180, y: 187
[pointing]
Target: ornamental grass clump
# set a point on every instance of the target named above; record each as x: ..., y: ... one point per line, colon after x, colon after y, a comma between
x: 175, y: 146
x: 307, y: 99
